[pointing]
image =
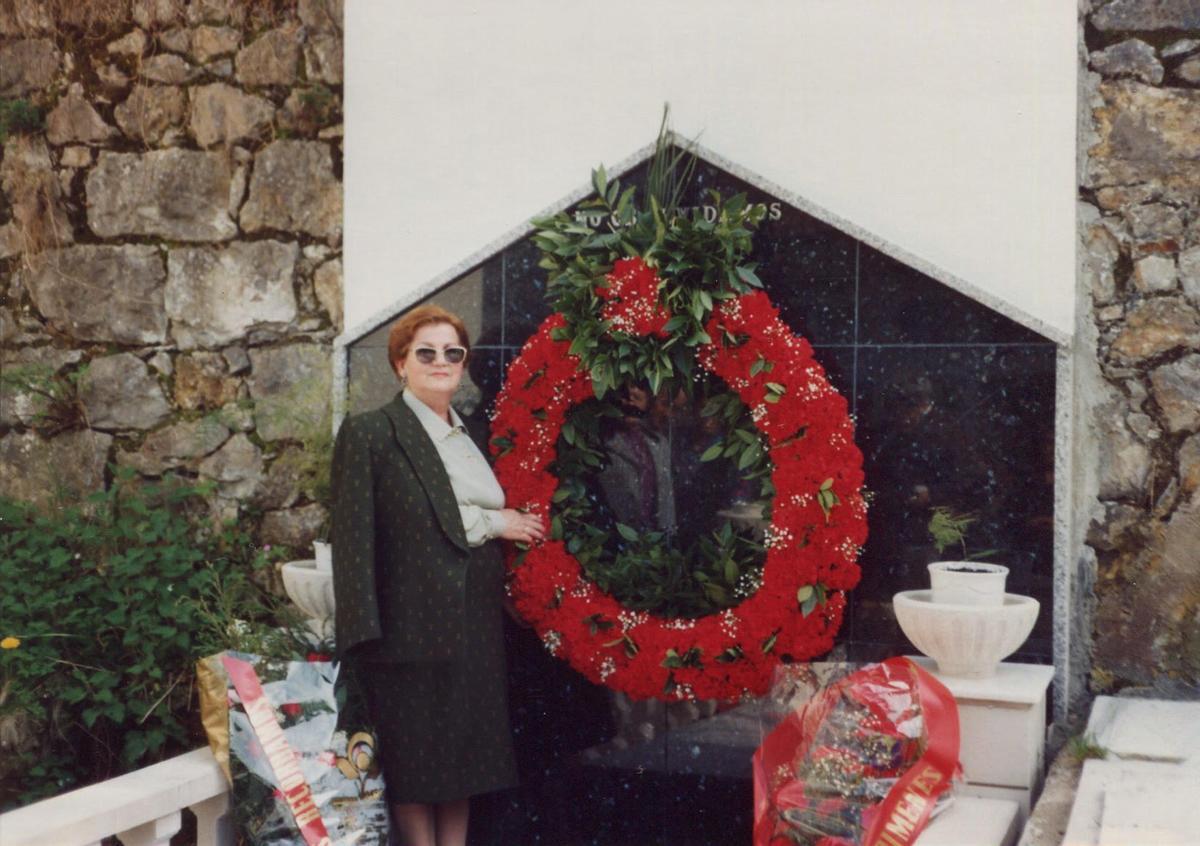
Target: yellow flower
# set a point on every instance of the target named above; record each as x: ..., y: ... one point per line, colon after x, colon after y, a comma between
x: 10, y: 642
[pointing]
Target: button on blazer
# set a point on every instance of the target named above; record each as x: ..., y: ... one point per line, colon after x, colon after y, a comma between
x: 400, y: 553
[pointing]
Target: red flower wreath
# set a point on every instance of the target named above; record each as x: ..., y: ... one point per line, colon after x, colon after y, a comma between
x: 818, y: 522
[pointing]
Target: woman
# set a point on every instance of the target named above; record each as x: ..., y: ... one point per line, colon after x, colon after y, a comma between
x: 419, y: 585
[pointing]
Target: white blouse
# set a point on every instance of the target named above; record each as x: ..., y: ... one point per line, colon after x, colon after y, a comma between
x: 479, y: 495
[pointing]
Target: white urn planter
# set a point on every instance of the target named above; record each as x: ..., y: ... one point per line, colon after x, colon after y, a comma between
x: 311, y: 589
x: 966, y: 622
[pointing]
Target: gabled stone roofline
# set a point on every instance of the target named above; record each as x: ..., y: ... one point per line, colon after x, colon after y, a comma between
x: 522, y: 230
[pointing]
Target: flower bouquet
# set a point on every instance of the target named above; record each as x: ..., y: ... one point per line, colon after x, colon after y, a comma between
x: 857, y: 757
x: 297, y: 778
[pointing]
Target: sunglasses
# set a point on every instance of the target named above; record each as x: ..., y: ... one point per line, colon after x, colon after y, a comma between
x: 428, y: 355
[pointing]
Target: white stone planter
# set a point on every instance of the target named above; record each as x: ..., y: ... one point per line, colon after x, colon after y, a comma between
x: 967, y: 641
x: 312, y: 591
x: 967, y: 582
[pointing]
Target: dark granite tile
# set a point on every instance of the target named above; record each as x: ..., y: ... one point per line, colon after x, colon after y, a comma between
x: 525, y: 305
x: 820, y: 309
x: 967, y: 428
x: 800, y: 249
x: 900, y: 305
x: 485, y: 370
x: 493, y: 294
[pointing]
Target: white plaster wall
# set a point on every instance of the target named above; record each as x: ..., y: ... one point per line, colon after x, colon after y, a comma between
x: 946, y: 127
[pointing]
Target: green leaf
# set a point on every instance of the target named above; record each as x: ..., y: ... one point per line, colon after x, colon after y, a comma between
x: 713, y: 452
x: 804, y: 594
x: 610, y: 196
x: 733, y: 653
x: 660, y: 226
x: 628, y: 532
x: 746, y: 274
x: 599, y: 180
x: 808, y: 605
x: 751, y: 454
x: 597, y: 623
x: 623, y: 203
x: 769, y: 643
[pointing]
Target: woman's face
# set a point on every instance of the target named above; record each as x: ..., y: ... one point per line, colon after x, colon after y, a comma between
x: 438, y: 378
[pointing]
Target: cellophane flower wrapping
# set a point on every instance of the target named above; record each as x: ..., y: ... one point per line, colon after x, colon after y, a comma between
x: 335, y: 753
x: 853, y: 755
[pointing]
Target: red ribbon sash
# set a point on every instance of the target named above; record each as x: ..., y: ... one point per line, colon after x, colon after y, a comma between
x: 903, y: 814
x: 279, y: 754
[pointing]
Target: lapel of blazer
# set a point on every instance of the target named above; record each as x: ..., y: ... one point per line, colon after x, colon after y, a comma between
x: 427, y: 464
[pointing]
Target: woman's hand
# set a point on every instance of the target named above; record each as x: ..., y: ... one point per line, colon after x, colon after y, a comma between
x: 521, y: 527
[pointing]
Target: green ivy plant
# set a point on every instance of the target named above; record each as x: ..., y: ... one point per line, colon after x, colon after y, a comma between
x: 105, y: 608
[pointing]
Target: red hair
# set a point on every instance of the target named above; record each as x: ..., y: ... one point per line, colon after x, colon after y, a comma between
x: 403, y: 331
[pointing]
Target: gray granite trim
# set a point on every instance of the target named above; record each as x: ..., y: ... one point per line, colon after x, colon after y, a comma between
x: 340, y: 385
x: 1064, y: 420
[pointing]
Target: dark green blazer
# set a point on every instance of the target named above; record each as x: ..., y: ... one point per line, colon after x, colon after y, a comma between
x: 400, y: 553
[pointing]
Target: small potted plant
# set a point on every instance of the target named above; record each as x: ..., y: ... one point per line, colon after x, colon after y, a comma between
x: 968, y: 581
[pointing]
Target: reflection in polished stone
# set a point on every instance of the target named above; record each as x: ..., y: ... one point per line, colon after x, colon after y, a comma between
x: 654, y: 511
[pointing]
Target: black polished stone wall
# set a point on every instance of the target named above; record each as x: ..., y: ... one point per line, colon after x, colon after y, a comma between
x: 954, y: 406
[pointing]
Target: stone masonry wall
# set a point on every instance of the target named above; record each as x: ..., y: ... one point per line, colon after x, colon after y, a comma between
x: 170, y: 245
x: 1140, y: 256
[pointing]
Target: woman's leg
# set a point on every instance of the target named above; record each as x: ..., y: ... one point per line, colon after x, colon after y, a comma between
x: 414, y: 821
x: 452, y: 822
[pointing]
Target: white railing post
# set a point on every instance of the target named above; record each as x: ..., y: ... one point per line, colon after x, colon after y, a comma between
x: 214, y: 825
x: 154, y: 833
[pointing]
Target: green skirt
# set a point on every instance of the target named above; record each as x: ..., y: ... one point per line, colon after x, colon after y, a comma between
x: 443, y: 727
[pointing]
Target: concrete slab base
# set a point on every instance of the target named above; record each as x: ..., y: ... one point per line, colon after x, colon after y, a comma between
x: 1146, y: 729
x: 1147, y: 791
x: 974, y: 822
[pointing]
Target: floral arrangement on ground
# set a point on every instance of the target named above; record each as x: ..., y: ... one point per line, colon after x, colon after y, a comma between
x: 653, y: 307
